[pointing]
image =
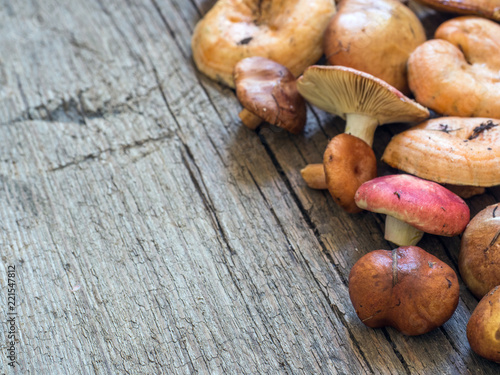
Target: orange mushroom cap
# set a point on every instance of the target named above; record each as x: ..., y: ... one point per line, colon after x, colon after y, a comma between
x: 457, y: 74
x: 348, y: 162
x: 451, y: 150
x: 289, y: 32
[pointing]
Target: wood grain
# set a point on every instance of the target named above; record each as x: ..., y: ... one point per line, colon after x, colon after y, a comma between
x: 153, y: 234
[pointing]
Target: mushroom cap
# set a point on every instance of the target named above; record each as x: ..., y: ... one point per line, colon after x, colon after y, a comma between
x: 479, y: 259
x: 482, y: 327
x: 348, y: 162
x: 375, y: 37
x: 289, y: 32
x: 406, y: 288
x: 341, y: 90
x: 452, y: 150
x: 456, y: 74
x: 268, y: 90
x: 422, y: 204
x: 484, y: 8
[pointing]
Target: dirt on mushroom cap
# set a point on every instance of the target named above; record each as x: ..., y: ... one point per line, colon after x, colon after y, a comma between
x: 452, y: 150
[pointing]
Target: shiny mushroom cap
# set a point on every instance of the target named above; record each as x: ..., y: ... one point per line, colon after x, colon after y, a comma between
x: 348, y: 162
x: 289, y: 32
x: 425, y: 205
x: 463, y: 151
x: 268, y: 90
x: 346, y: 92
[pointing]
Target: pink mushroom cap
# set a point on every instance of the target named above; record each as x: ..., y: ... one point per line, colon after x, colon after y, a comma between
x: 423, y: 204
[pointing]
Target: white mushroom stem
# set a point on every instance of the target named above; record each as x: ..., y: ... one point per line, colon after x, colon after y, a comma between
x: 314, y: 176
x: 361, y: 126
x: 250, y: 120
x: 400, y: 233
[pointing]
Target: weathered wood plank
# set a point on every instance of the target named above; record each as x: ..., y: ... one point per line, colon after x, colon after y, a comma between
x: 153, y: 234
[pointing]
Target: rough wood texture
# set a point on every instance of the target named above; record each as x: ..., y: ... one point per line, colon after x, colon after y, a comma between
x: 153, y: 234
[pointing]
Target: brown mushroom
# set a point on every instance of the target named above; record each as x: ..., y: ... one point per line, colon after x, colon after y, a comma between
x: 374, y: 36
x: 268, y: 91
x: 363, y: 100
x: 479, y: 259
x: 456, y: 74
x: 484, y: 8
x: 450, y: 150
x: 348, y: 162
x: 413, y: 206
x: 406, y: 288
x: 289, y: 32
x: 483, y: 328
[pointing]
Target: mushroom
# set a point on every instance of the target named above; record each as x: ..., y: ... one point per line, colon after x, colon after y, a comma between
x: 457, y: 151
x: 406, y: 288
x: 374, y: 36
x: 268, y: 92
x: 483, y: 332
x: 484, y: 8
x: 347, y: 163
x: 289, y: 32
x: 456, y: 74
x: 479, y: 259
x: 361, y: 99
x: 413, y: 206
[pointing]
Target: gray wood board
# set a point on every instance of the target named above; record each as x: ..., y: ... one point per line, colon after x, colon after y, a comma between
x: 153, y: 234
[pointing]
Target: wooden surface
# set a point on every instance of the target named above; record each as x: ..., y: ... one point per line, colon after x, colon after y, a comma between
x: 153, y: 234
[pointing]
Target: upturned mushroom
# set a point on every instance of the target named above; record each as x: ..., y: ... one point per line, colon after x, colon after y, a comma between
x: 413, y: 206
x: 269, y: 93
x: 374, y: 36
x: 361, y: 99
x: 289, y: 32
x: 465, y: 152
x: 406, y: 288
x: 479, y: 259
x: 456, y: 74
x: 484, y: 8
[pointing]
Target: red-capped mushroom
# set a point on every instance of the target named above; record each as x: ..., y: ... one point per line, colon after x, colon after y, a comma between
x: 413, y: 206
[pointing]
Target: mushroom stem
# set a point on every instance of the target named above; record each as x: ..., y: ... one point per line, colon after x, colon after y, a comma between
x: 400, y: 233
x: 314, y: 176
x: 250, y: 120
x: 361, y: 126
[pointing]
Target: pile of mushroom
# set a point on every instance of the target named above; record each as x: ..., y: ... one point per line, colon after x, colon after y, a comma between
x: 365, y: 102
x: 378, y: 58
